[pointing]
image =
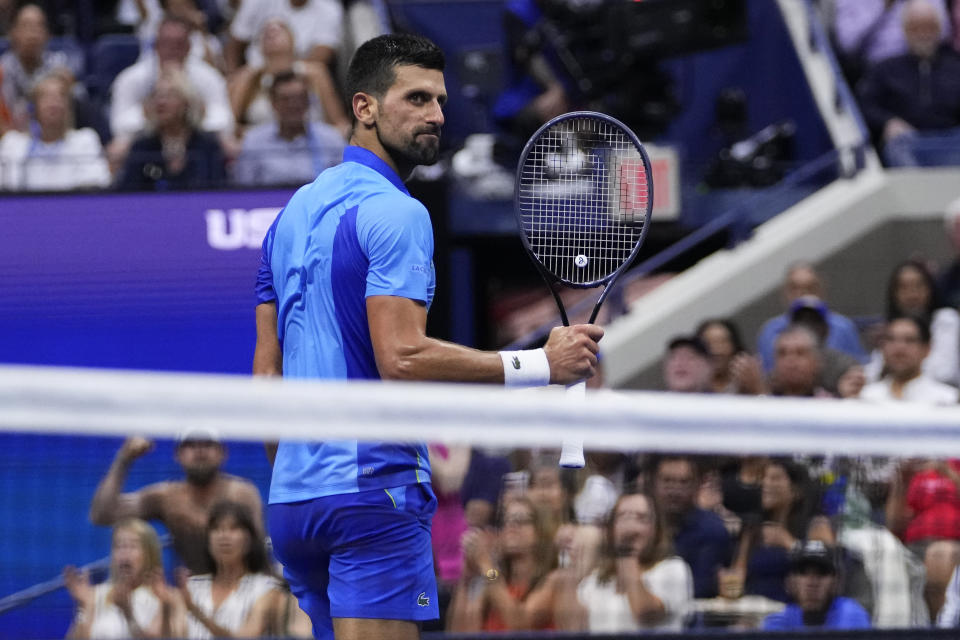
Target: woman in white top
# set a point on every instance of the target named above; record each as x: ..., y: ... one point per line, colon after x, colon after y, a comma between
x: 912, y: 291
x: 219, y: 604
x: 52, y: 156
x: 638, y: 585
x: 134, y: 602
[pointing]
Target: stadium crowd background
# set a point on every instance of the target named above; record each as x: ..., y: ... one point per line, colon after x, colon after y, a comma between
x: 183, y: 95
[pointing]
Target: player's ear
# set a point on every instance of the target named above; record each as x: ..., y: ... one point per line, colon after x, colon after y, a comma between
x: 365, y: 108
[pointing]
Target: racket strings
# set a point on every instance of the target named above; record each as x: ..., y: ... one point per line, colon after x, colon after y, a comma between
x: 583, y: 198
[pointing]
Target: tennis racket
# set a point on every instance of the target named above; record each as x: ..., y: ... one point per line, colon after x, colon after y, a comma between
x: 583, y: 197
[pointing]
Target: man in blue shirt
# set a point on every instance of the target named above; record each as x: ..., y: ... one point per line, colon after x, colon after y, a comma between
x: 812, y: 581
x: 345, y: 283
x: 802, y: 280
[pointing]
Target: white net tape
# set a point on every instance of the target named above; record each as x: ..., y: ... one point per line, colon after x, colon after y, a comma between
x: 99, y: 402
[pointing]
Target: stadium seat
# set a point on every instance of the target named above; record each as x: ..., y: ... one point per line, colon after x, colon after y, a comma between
x: 109, y: 55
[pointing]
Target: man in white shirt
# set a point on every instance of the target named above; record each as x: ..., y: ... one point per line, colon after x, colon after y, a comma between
x: 906, y: 342
x: 134, y: 84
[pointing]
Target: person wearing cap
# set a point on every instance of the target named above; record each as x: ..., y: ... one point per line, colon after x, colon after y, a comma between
x: 182, y: 506
x: 813, y: 583
x: 803, y: 280
x: 812, y: 312
x: 687, y: 366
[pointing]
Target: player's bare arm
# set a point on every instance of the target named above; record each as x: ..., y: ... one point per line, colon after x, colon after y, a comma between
x: 404, y: 352
x: 109, y: 504
x: 268, y: 354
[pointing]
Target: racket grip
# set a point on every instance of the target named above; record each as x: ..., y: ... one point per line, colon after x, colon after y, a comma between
x: 571, y: 454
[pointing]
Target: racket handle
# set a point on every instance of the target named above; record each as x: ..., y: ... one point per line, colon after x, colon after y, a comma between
x: 571, y: 455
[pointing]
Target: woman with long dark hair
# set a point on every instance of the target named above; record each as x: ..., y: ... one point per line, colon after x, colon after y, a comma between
x: 218, y: 604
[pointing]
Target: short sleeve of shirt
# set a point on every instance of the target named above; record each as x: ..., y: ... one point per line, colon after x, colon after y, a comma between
x: 398, y: 240
x: 264, y: 289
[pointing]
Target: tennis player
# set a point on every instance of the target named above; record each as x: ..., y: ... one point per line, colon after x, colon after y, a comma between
x: 349, y: 265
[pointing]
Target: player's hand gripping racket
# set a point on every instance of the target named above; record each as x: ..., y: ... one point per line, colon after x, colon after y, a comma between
x: 583, y: 197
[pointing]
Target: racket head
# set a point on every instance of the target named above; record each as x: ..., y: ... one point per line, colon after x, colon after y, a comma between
x: 583, y: 198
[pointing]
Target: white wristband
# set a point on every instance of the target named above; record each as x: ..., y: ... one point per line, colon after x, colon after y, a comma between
x: 529, y: 368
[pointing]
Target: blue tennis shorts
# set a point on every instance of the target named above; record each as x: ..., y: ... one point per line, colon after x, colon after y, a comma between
x: 359, y: 555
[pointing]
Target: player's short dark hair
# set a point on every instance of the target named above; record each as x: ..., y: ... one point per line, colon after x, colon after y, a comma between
x: 373, y: 67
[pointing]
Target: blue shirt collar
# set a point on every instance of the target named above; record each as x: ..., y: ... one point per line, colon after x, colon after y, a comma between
x: 372, y: 160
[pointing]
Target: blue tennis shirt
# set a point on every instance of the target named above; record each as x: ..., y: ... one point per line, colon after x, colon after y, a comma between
x: 353, y: 232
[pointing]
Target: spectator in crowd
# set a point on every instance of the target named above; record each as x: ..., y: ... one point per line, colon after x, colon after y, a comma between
x: 811, y: 312
x: 317, y: 27
x: 134, y: 602
x: 803, y: 280
x: 27, y: 61
x: 291, y: 150
x: 787, y: 501
x: 906, y: 343
x: 949, y: 280
x: 813, y: 583
x: 698, y: 536
x: 798, y: 364
x: 219, y: 604
x: 250, y: 85
x: 497, y: 578
x: 639, y: 584
x: 869, y: 31
x: 176, y: 153
x: 182, y: 506
x: 916, y: 93
x: 204, y: 45
x: 923, y: 509
x: 55, y: 156
x: 135, y: 84
x: 687, y: 367
x: 912, y: 290
x: 734, y: 369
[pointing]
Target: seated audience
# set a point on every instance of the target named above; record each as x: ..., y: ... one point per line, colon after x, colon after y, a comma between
x: 639, y: 584
x: 906, y: 343
x: 134, y: 602
x: 204, y: 45
x: 923, y: 509
x: 803, y: 280
x: 27, y: 61
x: 787, y: 506
x: 798, y: 364
x: 317, y: 27
x: 497, y: 578
x: 811, y: 312
x: 912, y: 291
x: 55, y: 156
x: 698, y: 536
x: 813, y: 583
x: 291, y: 150
x: 250, y: 85
x: 869, y: 31
x: 176, y: 154
x: 219, y: 604
x: 136, y: 83
x: 687, y: 367
x: 916, y: 93
x: 734, y: 369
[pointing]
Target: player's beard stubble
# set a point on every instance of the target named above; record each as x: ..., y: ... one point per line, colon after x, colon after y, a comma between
x: 422, y: 147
